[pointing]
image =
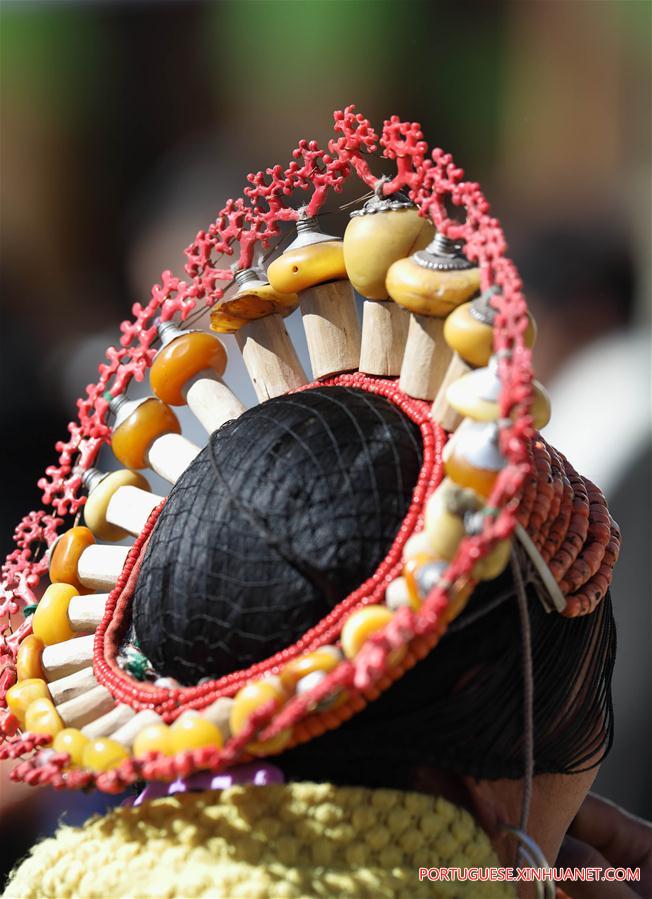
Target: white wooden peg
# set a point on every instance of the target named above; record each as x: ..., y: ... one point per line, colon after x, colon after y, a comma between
x: 108, y: 723
x: 332, y: 328
x: 211, y: 402
x: 86, y: 612
x: 72, y: 685
x: 86, y: 707
x: 127, y: 733
x: 170, y: 455
x: 62, y: 659
x: 99, y: 566
x: 130, y: 507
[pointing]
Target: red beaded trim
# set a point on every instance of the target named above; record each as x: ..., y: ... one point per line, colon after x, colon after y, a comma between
x: 169, y: 703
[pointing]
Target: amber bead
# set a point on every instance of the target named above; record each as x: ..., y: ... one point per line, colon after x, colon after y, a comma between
x: 50, y: 621
x: 474, y: 460
x: 192, y: 731
x: 306, y: 266
x: 255, y: 299
x: 425, y: 291
x: 28, y: 659
x: 181, y: 360
x: 133, y: 437
x: 99, y: 498
x: 154, y: 738
x: 251, y: 698
x: 418, y: 547
x: 65, y: 556
x: 325, y: 659
x: 474, y: 339
x: 21, y: 695
x: 73, y: 742
x: 41, y: 717
x: 458, y: 601
x: 494, y: 563
x: 477, y: 396
x: 103, y: 754
x: 360, y: 625
x: 374, y: 241
x: 444, y: 521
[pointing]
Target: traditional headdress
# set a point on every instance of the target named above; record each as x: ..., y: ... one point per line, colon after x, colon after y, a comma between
x: 415, y: 441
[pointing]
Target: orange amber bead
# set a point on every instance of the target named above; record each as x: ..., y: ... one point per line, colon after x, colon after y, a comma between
x: 181, y: 360
x: 326, y: 658
x: 50, y: 621
x: 65, y: 556
x: 28, y: 659
x: 461, y: 471
x: 133, y: 437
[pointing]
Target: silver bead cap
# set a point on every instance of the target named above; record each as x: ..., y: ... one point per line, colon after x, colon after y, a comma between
x: 442, y: 255
x: 309, y: 232
x: 379, y: 203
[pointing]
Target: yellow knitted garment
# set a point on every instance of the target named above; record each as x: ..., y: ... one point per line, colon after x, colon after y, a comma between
x: 275, y: 842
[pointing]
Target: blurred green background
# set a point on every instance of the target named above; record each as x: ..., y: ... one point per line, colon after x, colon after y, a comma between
x: 125, y: 125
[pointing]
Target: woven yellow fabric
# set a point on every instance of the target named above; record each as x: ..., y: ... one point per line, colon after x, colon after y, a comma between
x: 278, y: 842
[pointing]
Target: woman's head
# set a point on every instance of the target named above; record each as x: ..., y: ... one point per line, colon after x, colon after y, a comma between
x: 286, y: 512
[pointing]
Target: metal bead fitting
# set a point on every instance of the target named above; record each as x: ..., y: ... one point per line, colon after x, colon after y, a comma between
x: 308, y: 232
x: 381, y: 203
x: 442, y: 255
x: 429, y: 576
x: 481, y: 309
x: 168, y: 331
x: 246, y: 276
x: 91, y: 479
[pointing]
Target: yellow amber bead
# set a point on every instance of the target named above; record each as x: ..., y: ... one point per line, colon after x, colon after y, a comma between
x: 225, y: 323
x: 41, y: 717
x: 251, y: 698
x: 191, y: 731
x: 474, y: 339
x: 183, y: 358
x: 359, y: 626
x: 50, y: 621
x: 103, y: 754
x: 99, y: 498
x: 73, y: 742
x: 444, y: 521
x: 476, y: 395
x: 326, y: 658
x: 28, y: 659
x: 375, y: 241
x: 21, y: 695
x: 494, y: 563
x: 306, y: 266
x: 133, y: 437
x: 427, y: 292
x: 418, y: 548
x: 155, y: 738
x: 65, y: 556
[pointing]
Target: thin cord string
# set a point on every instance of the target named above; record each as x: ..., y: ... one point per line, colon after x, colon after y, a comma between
x: 528, y: 691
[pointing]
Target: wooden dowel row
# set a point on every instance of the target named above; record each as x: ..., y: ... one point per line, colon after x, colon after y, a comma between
x: 110, y: 722
x: 66, y: 688
x: 86, y: 707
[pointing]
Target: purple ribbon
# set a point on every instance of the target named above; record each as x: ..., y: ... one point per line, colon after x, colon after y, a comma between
x: 257, y: 773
